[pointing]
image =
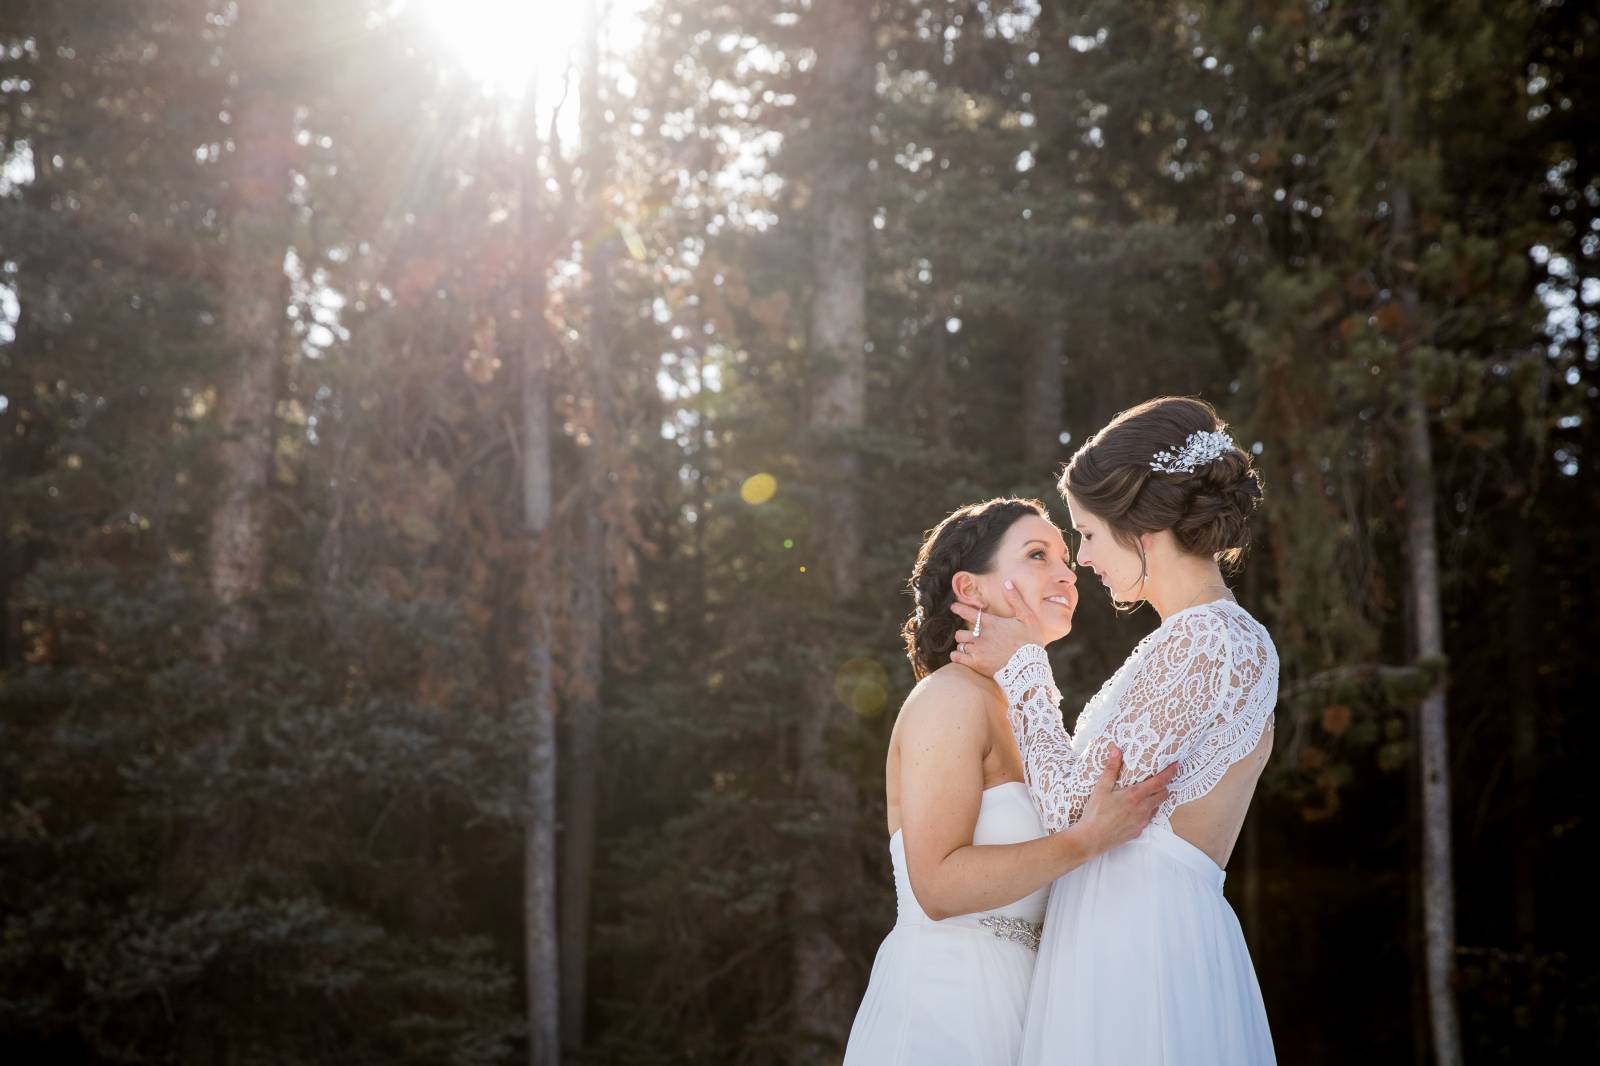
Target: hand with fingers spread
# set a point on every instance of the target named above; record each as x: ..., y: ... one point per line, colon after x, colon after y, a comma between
x: 990, y: 640
x: 1115, y: 815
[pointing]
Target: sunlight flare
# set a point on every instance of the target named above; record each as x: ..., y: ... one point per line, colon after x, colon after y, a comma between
x: 506, y: 43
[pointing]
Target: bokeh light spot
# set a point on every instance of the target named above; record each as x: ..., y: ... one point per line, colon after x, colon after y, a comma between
x: 758, y: 489
x: 788, y: 543
x: 863, y: 686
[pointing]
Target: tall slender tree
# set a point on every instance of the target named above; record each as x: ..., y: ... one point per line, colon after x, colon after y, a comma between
x: 540, y: 914
x: 1421, y: 490
x: 256, y: 296
x: 841, y: 32
x: 591, y: 555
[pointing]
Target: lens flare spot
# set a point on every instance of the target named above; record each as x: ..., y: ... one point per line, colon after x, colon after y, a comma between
x: 758, y: 489
x: 788, y: 543
x: 863, y: 686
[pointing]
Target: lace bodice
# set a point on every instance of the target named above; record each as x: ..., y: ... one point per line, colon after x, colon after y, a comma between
x: 1200, y: 690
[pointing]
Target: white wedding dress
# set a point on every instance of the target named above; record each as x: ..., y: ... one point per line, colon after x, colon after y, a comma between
x: 953, y: 992
x: 1142, y: 962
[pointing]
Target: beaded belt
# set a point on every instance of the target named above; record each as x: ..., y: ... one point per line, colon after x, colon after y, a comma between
x: 1017, y: 930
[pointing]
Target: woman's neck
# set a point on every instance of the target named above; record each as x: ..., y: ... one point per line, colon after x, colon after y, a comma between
x: 1185, y: 584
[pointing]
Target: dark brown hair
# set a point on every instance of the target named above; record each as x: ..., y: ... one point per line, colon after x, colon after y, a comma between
x: 967, y: 539
x: 1206, y: 509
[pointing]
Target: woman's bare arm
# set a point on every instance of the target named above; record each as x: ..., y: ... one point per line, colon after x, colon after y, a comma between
x: 943, y: 732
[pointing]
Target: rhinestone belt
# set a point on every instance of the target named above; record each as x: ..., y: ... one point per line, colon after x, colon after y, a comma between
x: 1016, y: 930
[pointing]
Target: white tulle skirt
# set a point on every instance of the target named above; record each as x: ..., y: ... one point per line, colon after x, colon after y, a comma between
x: 943, y: 994
x: 1143, y: 964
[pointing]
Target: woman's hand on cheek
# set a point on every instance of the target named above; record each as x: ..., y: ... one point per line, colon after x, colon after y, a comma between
x: 988, y: 646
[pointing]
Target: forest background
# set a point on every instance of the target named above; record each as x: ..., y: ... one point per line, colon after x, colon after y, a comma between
x: 460, y: 462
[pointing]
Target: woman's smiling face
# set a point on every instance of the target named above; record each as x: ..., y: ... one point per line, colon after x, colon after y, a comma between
x: 1033, y: 556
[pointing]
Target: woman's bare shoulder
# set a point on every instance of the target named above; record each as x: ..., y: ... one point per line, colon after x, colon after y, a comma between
x: 951, y: 695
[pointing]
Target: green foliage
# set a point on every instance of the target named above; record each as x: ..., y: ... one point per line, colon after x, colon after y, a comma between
x: 311, y: 852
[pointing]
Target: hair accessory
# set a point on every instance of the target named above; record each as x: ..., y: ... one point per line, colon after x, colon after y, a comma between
x: 1201, y: 448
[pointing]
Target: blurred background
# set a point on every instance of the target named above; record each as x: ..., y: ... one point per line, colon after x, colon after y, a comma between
x: 460, y: 462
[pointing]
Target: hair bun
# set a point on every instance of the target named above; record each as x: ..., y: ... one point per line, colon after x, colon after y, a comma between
x: 1221, y: 496
x: 1206, y: 506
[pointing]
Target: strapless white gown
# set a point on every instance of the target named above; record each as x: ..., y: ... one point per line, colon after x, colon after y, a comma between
x: 954, y: 992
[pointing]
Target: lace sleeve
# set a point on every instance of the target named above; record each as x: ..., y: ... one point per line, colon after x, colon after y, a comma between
x: 1199, y: 692
x: 1209, y: 713
x: 1033, y: 706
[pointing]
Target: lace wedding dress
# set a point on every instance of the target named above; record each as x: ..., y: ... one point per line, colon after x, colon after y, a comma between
x: 1142, y: 961
x: 953, y: 992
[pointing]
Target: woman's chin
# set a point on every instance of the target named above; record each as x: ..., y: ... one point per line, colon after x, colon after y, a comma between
x: 1132, y: 594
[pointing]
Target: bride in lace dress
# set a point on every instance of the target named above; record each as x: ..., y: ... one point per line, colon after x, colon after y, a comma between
x: 971, y: 861
x: 1142, y: 961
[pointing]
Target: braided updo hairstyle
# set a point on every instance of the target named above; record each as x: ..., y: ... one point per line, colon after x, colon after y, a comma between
x: 1206, y: 510
x: 967, y: 539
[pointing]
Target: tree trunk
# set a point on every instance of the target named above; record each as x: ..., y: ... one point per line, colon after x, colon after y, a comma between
x: 22, y: 454
x: 9, y: 630
x: 1438, y: 883
x: 824, y: 994
x: 254, y: 319
x: 1416, y: 455
x: 938, y: 383
x: 1044, y: 382
x: 1416, y: 923
x: 582, y: 725
x: 539, y: 843
x: 578, y: 794
x: 1043, y: 393
x: 1524, y: 636
x: 1523, y: 642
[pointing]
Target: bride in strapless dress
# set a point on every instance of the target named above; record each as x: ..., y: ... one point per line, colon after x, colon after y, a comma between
x: 971, y: 860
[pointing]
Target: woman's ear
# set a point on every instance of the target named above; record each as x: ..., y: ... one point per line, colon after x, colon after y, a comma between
x: 967, y: 588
